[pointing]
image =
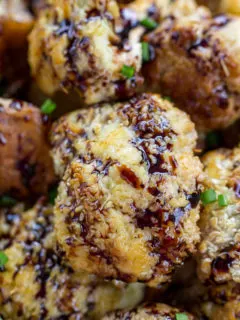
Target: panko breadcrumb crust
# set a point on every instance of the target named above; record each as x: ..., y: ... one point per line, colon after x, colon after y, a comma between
x: 156, y: 311
x: 25, y: 163
x: 36, y: 282
x: 197, y: 64
x: 127, y: 206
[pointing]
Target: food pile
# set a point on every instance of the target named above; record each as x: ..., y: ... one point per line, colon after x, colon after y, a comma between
x: 119, y: 160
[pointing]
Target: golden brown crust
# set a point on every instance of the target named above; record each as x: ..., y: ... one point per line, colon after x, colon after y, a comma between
x: 229, y: 6
x: 36, y: 283
x: 197, y: 64
x: 25, y: 162
x: 149, y: 312
x: 128, y: 201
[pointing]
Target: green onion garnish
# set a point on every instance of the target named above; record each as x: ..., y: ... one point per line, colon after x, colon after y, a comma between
x: 127, y: 71
x: 181, y: 316
x: 222, y: 200
x: 213, y: 140
x: 208, y: 196
x: 52, y: 194
x: 145, y: 52
x: 149, y: 23
x: 3, y: 259
x: 48, y: 106
x: 6, y: 201
x: 167, y: 98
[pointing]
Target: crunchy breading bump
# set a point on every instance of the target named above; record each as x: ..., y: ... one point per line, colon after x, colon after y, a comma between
x: 74, y: 46
x: 155, y: 311
x: 128, y: 201
x: 25, y: 162
x: 197, y: 64
x: 37, y: 284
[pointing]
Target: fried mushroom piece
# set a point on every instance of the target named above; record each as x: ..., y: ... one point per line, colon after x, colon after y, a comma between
x: 74, y: 46
x: 25, y: 162
x: 219, y: 250
x: 128, y: 201
x: 156, y: 311
x: 36, y: 283
x: 197, y: 64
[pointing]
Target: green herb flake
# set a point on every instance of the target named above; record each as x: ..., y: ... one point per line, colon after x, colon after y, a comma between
x: 181, y: 316
x: 213, y: 140
x: 48, y: 106
x: 149, y: 23
x: 167, y: 98
x: 6, y: 201
x: 222, y: 200
x: 52, y: 194
x: 208, y: 196
x: 3, y: 259
x: 127, y: 71
x: 145, y: 52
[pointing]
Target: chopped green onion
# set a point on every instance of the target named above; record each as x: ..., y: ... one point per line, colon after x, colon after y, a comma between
x: 213, y: 140
x: 208, y: 196
x: 222, y: 200
x: 6, y: 201
x: 145, y: 52
x: 3, y: 259
x: 127, y: 71
x: 181, y: 316
x: 149, y: 23
x: 48, y: 106
x: 52, y: 194
x: 167, y: 98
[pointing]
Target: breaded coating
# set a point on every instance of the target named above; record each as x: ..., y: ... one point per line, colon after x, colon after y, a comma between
x: 220, y: 6
x: 36, y: 283
x: 25, y: 162
x: 128, y: 201
x: 197, y: 64
x: 74, y: 46
x: 150, y: 312
x: 219, y: 259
